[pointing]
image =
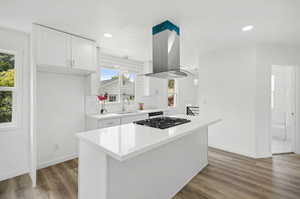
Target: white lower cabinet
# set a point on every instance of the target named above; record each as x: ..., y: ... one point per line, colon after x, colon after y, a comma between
x: 109, y: 123
x: 123, y: 120
x: 130, y: 119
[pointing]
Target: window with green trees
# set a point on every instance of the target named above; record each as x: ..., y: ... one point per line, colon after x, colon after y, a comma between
x: 7, y: 86
x: 171, y: 93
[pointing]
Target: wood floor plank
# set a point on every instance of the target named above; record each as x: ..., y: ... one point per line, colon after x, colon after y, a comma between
x: 228, y: 176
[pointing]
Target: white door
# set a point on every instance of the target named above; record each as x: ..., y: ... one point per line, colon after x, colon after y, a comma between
x: 53, y: 48
x: 83, y: 54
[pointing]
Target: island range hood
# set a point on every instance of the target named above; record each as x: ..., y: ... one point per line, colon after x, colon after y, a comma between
x: 166, y: 52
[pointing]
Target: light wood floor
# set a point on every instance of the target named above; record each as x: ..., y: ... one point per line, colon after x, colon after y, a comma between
x: 228, y: 176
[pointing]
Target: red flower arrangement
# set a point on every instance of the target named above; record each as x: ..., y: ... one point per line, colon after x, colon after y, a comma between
x: 101, y: 98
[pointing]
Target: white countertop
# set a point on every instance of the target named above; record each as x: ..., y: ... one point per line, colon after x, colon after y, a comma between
x: 120, y: 115
x: 125, y: 141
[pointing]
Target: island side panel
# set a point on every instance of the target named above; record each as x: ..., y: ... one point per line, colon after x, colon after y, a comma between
x: 92, y: 172
x: 159, y: 173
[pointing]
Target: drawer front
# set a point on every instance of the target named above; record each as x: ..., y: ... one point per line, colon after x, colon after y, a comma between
x: 109, y: 123
x: 130, y: 119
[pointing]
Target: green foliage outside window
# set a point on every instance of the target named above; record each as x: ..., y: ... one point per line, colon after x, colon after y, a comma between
x: 7, y: 78
x: 7, y: 74
x: 5, y: 106
x: 171, y: 83
x: 171, y: 92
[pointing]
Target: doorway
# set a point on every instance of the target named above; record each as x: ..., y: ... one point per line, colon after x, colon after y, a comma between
x: 283, y: 109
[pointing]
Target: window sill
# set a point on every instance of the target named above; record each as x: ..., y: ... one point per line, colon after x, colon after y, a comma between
x: 8, y: 127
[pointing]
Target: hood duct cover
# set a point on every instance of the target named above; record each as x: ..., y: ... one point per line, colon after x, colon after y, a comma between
x: 166, y: 51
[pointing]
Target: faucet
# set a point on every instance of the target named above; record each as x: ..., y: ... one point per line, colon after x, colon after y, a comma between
x: 124, y: 97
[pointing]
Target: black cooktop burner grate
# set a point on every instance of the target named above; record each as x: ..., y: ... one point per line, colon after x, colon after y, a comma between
x: 162, y: 122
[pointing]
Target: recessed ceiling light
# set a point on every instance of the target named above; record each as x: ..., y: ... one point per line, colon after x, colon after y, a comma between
x: 247, y: 28
x: 108, y: 35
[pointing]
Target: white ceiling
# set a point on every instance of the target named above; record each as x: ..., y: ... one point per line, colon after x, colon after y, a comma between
x: 205, y: 24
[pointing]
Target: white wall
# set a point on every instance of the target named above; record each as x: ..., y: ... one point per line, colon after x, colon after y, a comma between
x: 14, y: 143
x: 187, y: 93
x: 236, y: 84
x: 157, y: 89
x: 60, y: 115
x: 227, y: 89
x: 268, y: 55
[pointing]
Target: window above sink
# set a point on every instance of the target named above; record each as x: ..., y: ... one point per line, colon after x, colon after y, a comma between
x: 115, y: 83
x: 118, y: 76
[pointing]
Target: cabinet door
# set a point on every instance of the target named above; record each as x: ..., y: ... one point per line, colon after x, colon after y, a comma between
x: 83, y: 54
x: 109, y: 123
x: 53, y: 48
x: 130, y: 119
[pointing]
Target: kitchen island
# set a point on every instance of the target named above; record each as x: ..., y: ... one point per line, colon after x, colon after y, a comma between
x: 132, y: 161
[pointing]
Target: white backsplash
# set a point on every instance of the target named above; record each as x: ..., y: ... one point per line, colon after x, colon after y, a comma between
x: 92, y: 106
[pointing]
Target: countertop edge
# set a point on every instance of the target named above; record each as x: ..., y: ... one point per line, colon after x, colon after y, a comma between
x: 146, y: 147
x: 107, y: 117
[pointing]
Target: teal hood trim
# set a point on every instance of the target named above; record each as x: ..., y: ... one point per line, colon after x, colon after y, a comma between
x: 166, y: 25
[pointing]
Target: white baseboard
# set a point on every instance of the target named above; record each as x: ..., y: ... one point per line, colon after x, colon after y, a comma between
x: 243, y: 153
x: 256, y: 156
x: 13, y: 174
x: 264, y: 155
x: 57, y: 161
x: 196, y: 173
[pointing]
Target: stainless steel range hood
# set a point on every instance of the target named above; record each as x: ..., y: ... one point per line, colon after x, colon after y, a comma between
x: 166, y: 52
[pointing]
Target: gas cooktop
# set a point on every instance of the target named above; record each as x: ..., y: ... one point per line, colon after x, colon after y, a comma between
x: 162, y: 122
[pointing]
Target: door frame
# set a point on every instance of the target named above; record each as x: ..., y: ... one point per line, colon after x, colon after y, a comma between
x: 297, y: 129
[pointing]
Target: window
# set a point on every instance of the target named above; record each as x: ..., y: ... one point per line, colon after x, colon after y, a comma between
x: 128, y: 86
x: 112, y: 98
x: 7, y: 87
x: 110, y: 84
x: 117, y: 84
x: 171, y: 93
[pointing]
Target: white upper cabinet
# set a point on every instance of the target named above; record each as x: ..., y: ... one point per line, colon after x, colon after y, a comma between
x: 53, y: 48
x: 83, y: 54
x: 56, y: 50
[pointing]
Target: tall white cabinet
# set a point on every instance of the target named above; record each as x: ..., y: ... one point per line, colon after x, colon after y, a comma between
x: 63, y: 69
